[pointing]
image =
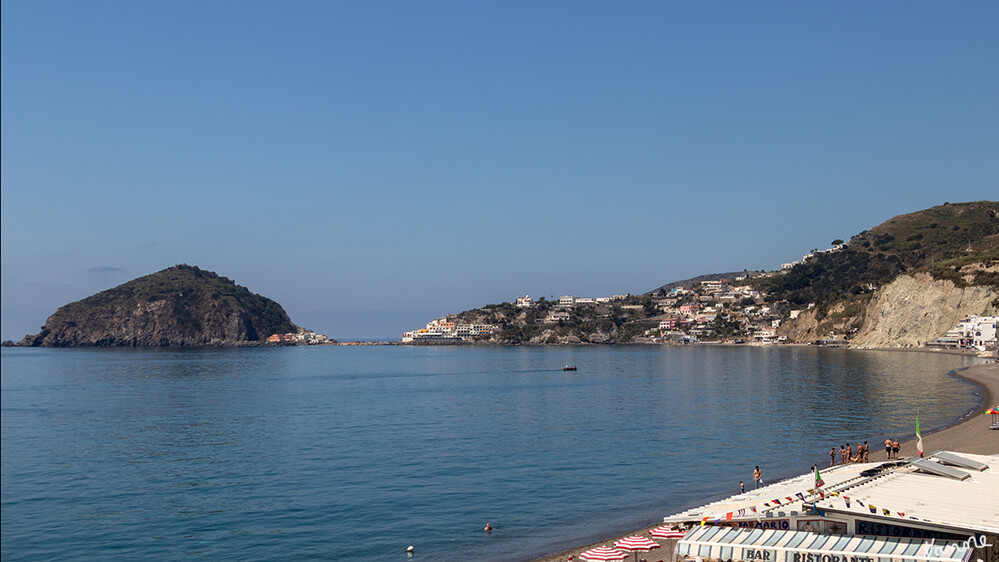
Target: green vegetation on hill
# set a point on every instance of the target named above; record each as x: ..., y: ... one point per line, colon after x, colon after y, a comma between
x: 943, y: 241
x: 617, y: 322
x: 181, y: 305
x: 956, y: 242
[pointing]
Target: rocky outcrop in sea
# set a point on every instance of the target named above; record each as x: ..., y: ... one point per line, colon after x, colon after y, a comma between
x: 179, y: 306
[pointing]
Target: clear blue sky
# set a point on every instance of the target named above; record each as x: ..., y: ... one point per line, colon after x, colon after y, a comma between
x: 371, y: 165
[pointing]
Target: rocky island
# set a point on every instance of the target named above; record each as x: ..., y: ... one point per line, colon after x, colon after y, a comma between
x: 179, y: 306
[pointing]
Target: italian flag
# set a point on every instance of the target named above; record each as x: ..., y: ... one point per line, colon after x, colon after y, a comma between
x: 818, y: 478
x: 919, y: 437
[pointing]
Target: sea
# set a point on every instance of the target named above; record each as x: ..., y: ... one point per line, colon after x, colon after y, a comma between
x: 356, y: 453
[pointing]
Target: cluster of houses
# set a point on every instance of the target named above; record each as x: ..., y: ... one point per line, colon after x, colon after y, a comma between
x: 562, y: 308
x: 685, y: 315
x: 305, y: 337
x: 804, y: 258
x: 447, y: 330
x: 709, y: 310
x: 691, y: 314
x: 974, y: 332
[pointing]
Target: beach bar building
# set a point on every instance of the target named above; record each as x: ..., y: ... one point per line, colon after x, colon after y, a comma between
x: 942, y: 508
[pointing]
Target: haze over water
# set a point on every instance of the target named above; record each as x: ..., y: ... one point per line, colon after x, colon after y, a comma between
x: 357, y: 453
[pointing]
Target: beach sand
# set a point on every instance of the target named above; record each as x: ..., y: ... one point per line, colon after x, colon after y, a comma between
x: 969, y: 435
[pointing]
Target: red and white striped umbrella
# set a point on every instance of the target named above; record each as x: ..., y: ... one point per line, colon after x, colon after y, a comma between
x: 603, y: 553
x: 666, y: 532
x: 636, y: 543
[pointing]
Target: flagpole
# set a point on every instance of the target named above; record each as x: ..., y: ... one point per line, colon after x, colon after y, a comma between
x: 919, y: 437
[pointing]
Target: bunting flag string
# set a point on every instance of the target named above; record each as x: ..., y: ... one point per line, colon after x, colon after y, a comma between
x: 801, y: 496
x: 872, y: 508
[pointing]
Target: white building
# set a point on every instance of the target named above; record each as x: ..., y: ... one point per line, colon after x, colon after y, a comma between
x: 980, y: 330
x: 312, y: 338
x: 556, y: 317
x: 974, y: 331
x: 713, y: 286
x: 567, y: 300
x: 446, y: 330
x: 941, y: 508
x: 525, y: 302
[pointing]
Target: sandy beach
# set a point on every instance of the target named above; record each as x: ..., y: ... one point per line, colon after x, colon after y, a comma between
x: 970, y: 435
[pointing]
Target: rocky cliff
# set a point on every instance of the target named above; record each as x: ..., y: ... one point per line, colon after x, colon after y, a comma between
x: 179, y: 306
x: 911, y: 311
x: 908, y: 312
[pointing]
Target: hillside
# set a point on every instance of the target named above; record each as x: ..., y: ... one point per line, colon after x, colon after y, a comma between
x: 696, y: 281
x: 901, y: 283
x: 958, y: 242
x: 179, y: 306
x: 617, y: 322
x: 946, y: 256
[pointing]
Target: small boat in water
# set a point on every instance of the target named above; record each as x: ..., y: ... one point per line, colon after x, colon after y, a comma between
x: 568, y: 368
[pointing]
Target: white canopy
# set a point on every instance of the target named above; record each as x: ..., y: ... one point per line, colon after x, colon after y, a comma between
x: 770, y: 545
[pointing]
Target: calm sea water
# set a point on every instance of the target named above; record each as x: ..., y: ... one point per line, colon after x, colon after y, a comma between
x: 356, y: 453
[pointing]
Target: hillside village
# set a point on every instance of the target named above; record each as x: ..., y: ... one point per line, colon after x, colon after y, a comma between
x: 730, y: 309
x: 713, y: 311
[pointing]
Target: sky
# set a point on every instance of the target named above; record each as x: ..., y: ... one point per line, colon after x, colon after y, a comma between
x: 373, y: 165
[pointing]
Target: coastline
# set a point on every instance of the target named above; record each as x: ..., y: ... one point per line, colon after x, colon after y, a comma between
x: 969, y: 433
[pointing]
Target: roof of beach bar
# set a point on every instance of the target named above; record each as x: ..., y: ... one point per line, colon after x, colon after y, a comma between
x: 945, y: 489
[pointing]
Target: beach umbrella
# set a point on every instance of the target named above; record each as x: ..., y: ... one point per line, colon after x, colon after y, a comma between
x: 636, y: 543
x: 666, y: 532
x: 603, y: 553
x: 995, y: 412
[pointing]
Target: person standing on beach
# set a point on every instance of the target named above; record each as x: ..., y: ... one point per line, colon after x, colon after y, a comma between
x: 742, y: 487
x: 849, y: 453
x: 894, y: 448
x: 867, y: 452
x: 757, y: 476
x: 888, y: 448
x: 832, y: 456
x: 842, y: 454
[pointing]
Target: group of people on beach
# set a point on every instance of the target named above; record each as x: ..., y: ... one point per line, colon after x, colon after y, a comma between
x: 863, y: 452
